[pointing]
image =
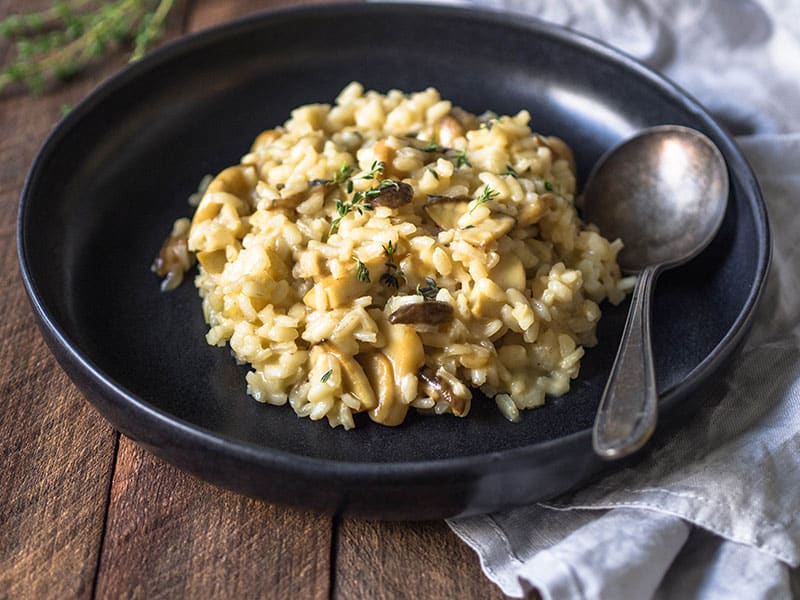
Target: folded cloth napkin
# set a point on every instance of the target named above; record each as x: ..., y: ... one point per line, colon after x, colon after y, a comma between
x: 713, y: 508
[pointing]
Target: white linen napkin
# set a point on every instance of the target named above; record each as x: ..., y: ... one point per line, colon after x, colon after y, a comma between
x: 713, y: 509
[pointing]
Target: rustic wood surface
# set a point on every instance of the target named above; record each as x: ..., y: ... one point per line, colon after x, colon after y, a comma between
x: 85, y: 512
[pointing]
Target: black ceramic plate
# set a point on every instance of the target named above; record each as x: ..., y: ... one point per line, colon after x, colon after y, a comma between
x: 116, y: 172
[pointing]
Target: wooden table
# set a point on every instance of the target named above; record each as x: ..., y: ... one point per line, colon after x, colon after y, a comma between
x: 85, y: 512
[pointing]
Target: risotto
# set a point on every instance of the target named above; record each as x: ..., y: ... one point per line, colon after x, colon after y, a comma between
x: 395, y: 252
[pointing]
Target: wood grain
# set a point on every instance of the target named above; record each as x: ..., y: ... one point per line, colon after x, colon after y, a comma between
x: 206, y: 13
x: 52, y: 490
x: 406, y: 560
x: 85, y: 513
x: 170, y: 535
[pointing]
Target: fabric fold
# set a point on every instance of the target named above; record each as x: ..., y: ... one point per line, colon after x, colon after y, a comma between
x: 729, y: 474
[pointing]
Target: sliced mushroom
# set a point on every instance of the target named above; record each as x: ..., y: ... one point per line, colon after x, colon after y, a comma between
x: 424, y: 145
x: 174, y: 259
x: 405, y: 355
x: 531, y: 212
x: 393, y: 195
x: 386, y: 153
x: 488, y: 230
x: 292, y: 201
x: 265, y: 138
x: 439, y: 388
x: 331, y: 292
x: 468, y: 120
x: 445, y: 211
x: 239, y: 180
x: 354, y: 380
x: 448, y: 129
x: 424, y: 313
x: 509, y: 272
x: 388, y: 410
x: 561, y: 150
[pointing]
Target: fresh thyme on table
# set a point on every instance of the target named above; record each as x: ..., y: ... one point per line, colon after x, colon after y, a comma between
x: 56, y: 43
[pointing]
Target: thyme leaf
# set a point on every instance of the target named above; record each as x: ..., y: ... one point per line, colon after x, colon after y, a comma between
x: 362, y: 272
x: 375, y: 170
x: 487, y: 194
x: 428, y: 291
x: 343, y: 174
x: 391, y: 278
x: 461, y: 159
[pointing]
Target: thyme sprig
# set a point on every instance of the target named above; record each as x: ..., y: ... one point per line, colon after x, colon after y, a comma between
x: 357, y: 204
x: 487, y: 194
x: 343, y: 174
x: 57, y: 43
x: 461, y: 159
x: 362, y: 272
x: 375, y: 170
x: 391, y: 278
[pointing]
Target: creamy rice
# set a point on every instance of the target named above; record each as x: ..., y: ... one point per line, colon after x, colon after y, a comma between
x: 392, y: 251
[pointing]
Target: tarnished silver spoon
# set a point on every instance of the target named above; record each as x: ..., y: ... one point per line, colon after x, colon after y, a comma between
x: 664, y: 193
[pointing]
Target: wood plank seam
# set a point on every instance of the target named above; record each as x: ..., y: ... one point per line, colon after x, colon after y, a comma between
x: 106, y: 509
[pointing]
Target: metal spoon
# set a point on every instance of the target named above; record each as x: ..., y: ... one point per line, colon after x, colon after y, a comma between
x: 664, y: 193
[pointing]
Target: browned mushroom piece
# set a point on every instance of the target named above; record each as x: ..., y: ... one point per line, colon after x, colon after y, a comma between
x: 440, y: 389
x: 174, y: 259
x: 394, y: 195
x: 448, y: 129
x: 423, y: 313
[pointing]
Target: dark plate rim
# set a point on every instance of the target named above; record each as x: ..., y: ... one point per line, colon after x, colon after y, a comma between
x: 185, y: 433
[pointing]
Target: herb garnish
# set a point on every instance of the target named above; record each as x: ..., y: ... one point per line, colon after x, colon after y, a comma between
x: 392, y: 275
x: 548, y: 186
x: 362, y: 272
x: 487, y: 194
x: 433, y: 147
x: 429, y: 291
x: 343, y: 174
x: 326, y: 376
x: 58, y: 42
x: 375, y: 170
x: 511, y: 171
x: 461, y: 159
x: 357, y: 204
x: 434, y: 173
x: 376, y: 191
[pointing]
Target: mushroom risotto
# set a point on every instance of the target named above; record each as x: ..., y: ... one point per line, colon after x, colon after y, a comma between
x: 394, y: 251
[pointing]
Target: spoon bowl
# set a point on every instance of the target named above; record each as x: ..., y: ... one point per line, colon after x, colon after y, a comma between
x: 664, y: 193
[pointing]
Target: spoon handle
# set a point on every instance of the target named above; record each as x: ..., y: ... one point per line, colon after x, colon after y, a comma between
x: 629, y: 408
